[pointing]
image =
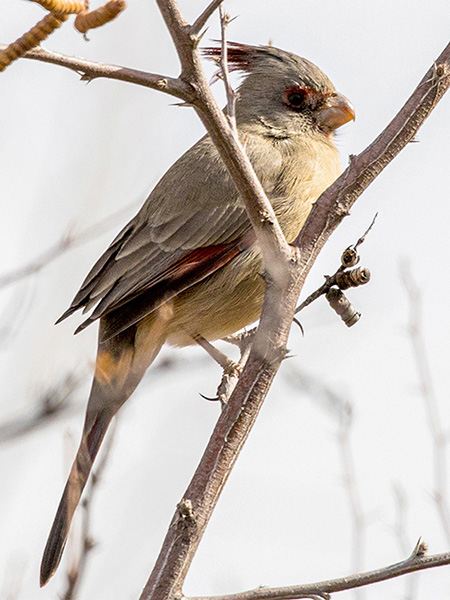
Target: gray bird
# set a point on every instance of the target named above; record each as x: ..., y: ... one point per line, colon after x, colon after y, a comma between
x: 188, y: 262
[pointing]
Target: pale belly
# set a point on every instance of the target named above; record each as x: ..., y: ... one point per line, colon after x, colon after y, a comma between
x: 221, y: 305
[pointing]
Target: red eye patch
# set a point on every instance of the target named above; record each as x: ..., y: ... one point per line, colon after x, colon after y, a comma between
x: 297, y: 97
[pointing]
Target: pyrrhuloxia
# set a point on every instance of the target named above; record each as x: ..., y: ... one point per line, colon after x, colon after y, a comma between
x: 188, y: 263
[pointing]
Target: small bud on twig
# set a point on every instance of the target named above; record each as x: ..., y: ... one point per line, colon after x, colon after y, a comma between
x: 342, y: 306
x: 91, y: 19
x: 353, y: 278
x: 350, y: 257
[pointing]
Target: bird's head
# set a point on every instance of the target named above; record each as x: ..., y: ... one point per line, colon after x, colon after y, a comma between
x: 284, y: 91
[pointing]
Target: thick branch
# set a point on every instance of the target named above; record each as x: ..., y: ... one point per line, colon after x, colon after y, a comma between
x: 243, y: 407
x: 323, y: 588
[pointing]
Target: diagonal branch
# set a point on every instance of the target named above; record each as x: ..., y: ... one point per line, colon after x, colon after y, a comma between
x: 323, y: 588
x: 238, y: 417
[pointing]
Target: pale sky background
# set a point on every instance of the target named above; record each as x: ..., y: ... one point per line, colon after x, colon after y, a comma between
x: 71, y: 154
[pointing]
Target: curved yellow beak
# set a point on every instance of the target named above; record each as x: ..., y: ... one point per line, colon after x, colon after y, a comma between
x: 337, y: 111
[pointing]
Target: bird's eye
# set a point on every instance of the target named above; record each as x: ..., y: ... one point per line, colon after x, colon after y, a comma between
x: 296, y: 100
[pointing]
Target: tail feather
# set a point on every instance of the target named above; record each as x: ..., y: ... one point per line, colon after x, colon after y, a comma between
x: 78, y: 477
x: 120, y: 365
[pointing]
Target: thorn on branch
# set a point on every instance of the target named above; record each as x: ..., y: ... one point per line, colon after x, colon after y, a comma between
x: 420, y: 549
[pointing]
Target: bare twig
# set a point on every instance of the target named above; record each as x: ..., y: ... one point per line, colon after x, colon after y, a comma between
x: 341, y: 409
x: 52, y: 403
x: 423, y: 367
x: 231, y: 96
x: 416, y: 562
x: 68, y: 241
x: 353, y: 494
x: 331, y: 281
x: 335, y: 203
x: 200, y: 22
x: 411, y: 583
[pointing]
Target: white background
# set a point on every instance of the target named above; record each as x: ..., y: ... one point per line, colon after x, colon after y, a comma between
x: 71, y: 154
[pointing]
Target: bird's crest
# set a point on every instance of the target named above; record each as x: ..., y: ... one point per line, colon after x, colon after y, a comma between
x: 242, y: 57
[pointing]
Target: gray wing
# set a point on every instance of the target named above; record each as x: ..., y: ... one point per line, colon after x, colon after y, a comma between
x: 161, y: 234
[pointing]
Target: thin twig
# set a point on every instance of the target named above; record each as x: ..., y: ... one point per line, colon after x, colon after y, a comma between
x: 67, y: 241
x: 431, y: 402
x: 330, y: 281
x: 52, y: 403
x: 231, y: 96
x: 341, y: 409
x: 351, y: 486
x: 200, y: 22
x: 410, y: 565
x: 411, y: 583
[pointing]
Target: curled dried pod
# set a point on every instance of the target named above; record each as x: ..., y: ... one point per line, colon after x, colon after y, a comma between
x: 31, y: 39
x: 342, y: 306
x: 352, y: 278
x: 90, y: 19
x: 350, y: 257
x: 62, y: 7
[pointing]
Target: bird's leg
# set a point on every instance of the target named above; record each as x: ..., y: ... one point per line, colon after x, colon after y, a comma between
x: 219, y: 357
x: 231, y: 369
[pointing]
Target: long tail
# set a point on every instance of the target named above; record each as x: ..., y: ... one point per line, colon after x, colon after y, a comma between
x: 120, y: 365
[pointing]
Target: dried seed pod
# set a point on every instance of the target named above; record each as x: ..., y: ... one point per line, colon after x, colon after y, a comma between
x: 63, y: 7
x: 353, y: 278
x: 31, y: 39
x: 342, y: 306
x: 91, y: 19
x: 350, y: 257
